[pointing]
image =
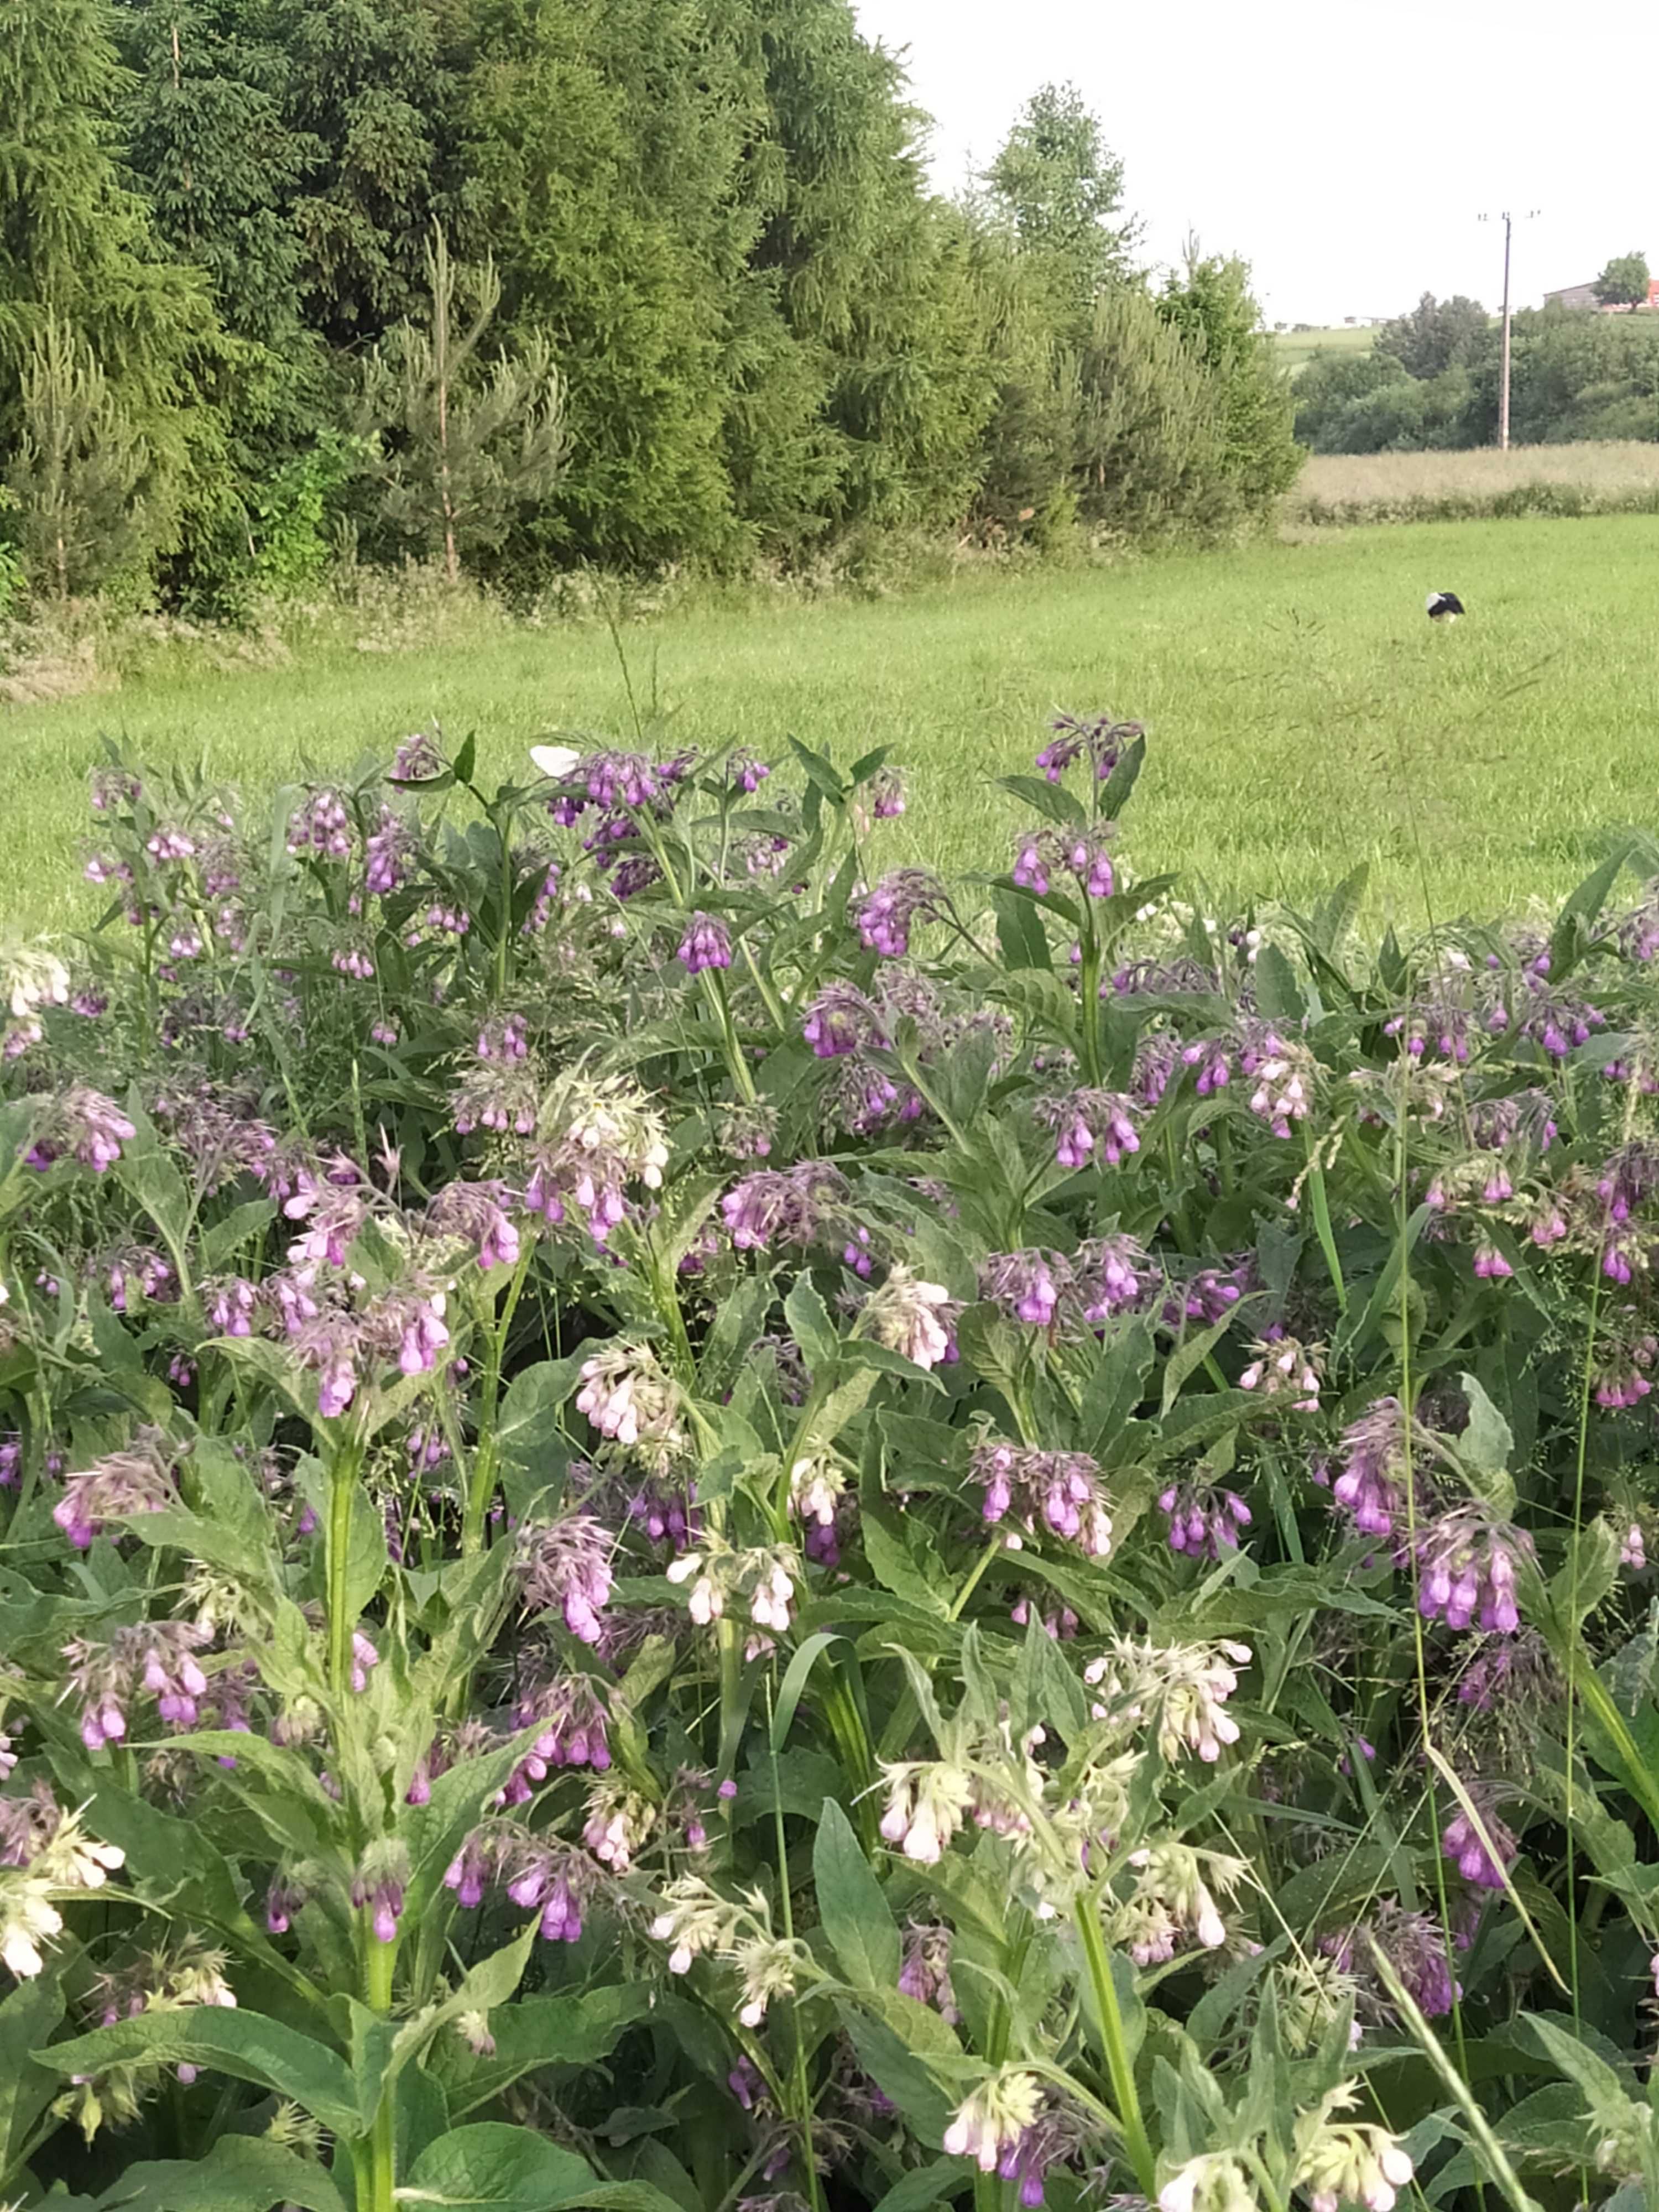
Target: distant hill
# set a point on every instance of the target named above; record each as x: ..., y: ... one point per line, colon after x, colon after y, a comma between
x: 1294, y: 347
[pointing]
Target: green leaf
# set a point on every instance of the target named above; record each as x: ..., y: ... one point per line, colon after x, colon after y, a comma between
x: 856, y: 1917
x: 239, y: 1227
x: 559, y: 2031
x: 1115, y: 1389
x: 27, y: 2016
x: 898, y: 2069
x: 491, y: 1983
x: 1277, y: 993
x: 1119, y: 786
x: 1334, y: 917
x: 1188, y: 1357
x: 490, y: 2166
x: 1488, y: 1441
x: 1052, y: 800
x: 1577, y: 916
x: 240, y: 2174
x: 529, y: 1435
x: 1021, y: 939
x: 920, y: 2191
x: 245, y: 2045
x: 811, y: 1328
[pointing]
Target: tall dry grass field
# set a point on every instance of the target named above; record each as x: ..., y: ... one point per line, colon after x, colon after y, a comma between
x: 1450, y: 486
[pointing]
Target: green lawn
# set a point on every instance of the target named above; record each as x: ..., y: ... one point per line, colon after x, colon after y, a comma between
x: 1304, y: 715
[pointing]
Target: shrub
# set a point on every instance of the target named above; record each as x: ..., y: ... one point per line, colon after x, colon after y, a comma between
x: 692, y: 1522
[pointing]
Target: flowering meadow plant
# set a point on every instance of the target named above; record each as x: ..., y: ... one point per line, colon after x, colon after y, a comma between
x: 691, y: 1520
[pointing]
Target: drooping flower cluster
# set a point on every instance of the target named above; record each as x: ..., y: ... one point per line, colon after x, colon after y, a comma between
x: 1174, y: 1896
x: 1062, y: 1491
x: 1467, y: 1563
x: 1085, y: 1121
x: 1179, y: 1690
x: 159, y: 1656
x: 1083, y: 854
x: 1098, y: 736
x: 629, y: 1399
x: 43, y: 1851
x: 914, y: 1318
x: 891, y: 910
x: 1281, y: 1367
x: 1480, y: 1848
x: 593, y: 1141
x: 1204, y: 1520
x: 565, y: 1567
x: 84, y: 1124
x: 141, y: 1479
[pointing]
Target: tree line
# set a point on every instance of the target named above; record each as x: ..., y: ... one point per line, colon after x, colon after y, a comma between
x: 512, y: 284
x: 1431, y: 378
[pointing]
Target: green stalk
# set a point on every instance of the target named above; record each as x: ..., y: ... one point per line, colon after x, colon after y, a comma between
x: 343, y: 1470
x: 1321, y: 1213
x: 381, y: 2193
x: 803, y: 2092
x: 482, y: 1482
x: 1117, y: 2050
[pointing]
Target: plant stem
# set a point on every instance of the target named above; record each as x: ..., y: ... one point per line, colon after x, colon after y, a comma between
x: 343, y: 1473
x: 382, y: 2143
x: 481, y: 1483
x: 1117, y: 2050
x: 803, y: 2092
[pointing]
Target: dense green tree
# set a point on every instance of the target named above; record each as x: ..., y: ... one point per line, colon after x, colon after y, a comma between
x: 603, y: 136
x: 1060, y: 188
x: 1436, y: 335
x: 370, y: 92
x: 464, y: 445
x: 204, y: 131
x: 75, y: 242
x: 1624, y: 282
x: 1210, y: 303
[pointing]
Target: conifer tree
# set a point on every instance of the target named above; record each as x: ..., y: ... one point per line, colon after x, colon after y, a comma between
x: 76, y: 474
x: 466, y: 445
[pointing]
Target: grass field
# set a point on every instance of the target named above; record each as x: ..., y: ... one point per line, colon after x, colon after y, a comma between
x: 1591, y: 477
x: 1295, y: 347
x: 1304, y: 715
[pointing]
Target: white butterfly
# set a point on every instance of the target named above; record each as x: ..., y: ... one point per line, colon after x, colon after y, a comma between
x: 556, y: 760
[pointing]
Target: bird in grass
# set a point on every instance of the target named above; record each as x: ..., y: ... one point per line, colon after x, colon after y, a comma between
x: 1445, y: 606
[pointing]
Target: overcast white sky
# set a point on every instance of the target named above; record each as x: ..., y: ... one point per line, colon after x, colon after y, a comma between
x: 1344, y: 147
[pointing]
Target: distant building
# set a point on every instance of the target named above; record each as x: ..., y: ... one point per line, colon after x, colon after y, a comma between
x: 1583, y: 295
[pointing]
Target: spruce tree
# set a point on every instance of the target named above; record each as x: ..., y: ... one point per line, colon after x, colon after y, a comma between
x: 75, y: 241
x: 466, y: 445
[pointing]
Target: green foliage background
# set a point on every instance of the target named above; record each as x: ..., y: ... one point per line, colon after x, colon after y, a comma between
x: 709, y: 218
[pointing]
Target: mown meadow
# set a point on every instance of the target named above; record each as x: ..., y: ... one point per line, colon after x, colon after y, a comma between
x: 1307, y: 715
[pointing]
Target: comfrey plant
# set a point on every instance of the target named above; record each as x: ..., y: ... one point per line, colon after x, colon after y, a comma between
x: 693, y: 1520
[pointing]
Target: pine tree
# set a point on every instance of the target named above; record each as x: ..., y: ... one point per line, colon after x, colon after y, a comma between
x: 468, y: 446
x: 76, y: 474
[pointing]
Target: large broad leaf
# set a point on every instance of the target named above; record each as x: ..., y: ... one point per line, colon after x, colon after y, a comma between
x: 902, y: 2072
x: 243, y: 2044
x: 240, y: 2173
x: 559, y: 2031
x: 929, y: 2186
x: 492, y: 2168
x: 856, y: 1917
x: 529, y: 1438
x: 27, y: 2017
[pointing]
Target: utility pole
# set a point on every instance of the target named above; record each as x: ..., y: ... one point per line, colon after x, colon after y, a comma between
x: 1508, y: 223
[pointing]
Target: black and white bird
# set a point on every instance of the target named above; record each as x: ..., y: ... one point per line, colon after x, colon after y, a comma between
x: 1445, y: 606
